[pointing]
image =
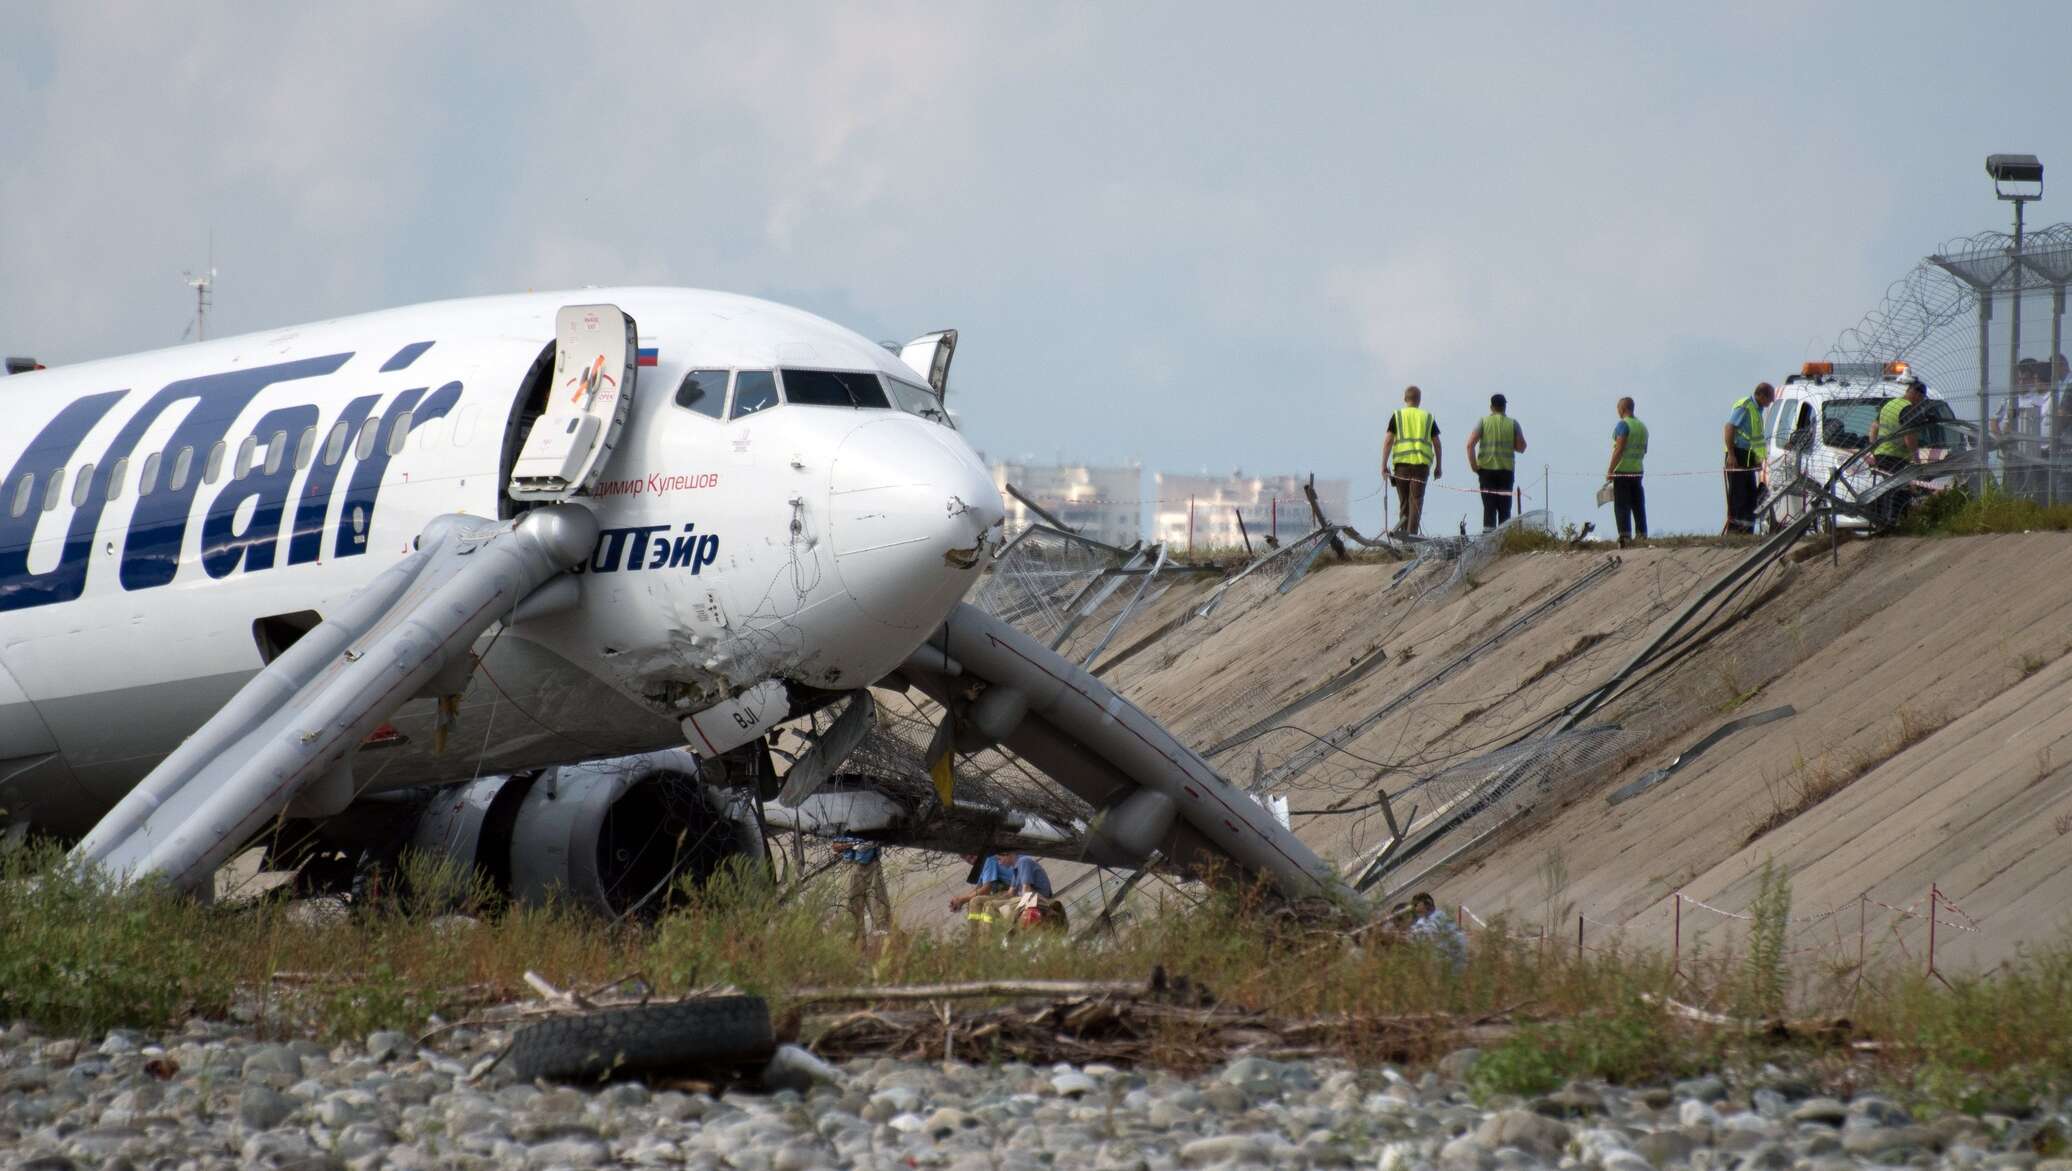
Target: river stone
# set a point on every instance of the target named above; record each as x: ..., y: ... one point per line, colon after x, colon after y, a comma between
x: 1571, y: 1101
x: 1870, y: 1141
x: 361, y: 1139
x: 1459, y: 1063
x: 1827, y: 1111
x: 1226, y: 1148
x: 946, y: 1121
x: 1703, y: 1089
x: 1878, y: 1112
x: 567, y: 1152
x: 260, y: 1108
x: 1072, y: 1084
x: 1664, y: 1147
x: 1525, y: 1130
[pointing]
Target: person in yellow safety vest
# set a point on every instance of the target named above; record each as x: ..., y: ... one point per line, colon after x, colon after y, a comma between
x: 1629, y: 453
x: 1410, y: 457
x: 1493, y: 448
x: 1890, y: 449
x: 1746, y: 449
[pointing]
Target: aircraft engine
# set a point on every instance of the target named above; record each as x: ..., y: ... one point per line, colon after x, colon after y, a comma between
x: 613, y: 836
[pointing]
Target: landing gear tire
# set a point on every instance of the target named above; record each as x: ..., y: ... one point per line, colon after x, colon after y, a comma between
x: 712, y: 1032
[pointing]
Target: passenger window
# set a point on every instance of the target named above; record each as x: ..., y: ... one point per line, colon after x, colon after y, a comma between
x: 24, y: 490
x: 213, y: 469
x: 399, y: 433
x: 704, y: 391
x: 276, y: 451
x: 833, y: 388
x: 369, y: 432
x: 334, y: 448
x: 82, y: 485
x: 116, y: 475
x: 754, y: 390
x: 54, y: 490
x: 306, y: 447
x: 147, y: 480
x: 183, y: 463
x: 245, y: 451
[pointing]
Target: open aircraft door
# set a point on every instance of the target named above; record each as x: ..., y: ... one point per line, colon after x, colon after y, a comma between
x: 596, y: 358
x: 930, y: 355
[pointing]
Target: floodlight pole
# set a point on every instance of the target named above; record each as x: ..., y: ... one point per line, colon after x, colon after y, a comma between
x: 2021, y: 170
x: 2014, y: 322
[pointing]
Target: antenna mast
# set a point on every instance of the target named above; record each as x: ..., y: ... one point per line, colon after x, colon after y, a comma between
x: 203, y: 285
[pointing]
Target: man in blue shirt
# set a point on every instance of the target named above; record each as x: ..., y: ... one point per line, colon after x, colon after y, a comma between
x: 1024, y: 874
x: 992, y: 880
x: 1437, y: 930
x: 1746, y: 449
x: 866, y: 884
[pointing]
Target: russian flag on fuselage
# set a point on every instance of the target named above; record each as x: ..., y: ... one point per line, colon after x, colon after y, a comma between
x: 647, y: 355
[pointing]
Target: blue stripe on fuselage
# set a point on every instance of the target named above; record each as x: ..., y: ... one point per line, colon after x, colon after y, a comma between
x: 159, y: 520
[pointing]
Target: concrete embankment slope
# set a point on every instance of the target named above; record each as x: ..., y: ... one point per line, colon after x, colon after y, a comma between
x: 1933, y: 697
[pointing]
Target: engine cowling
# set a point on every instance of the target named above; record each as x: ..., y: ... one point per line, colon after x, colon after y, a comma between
x: 612, y: 836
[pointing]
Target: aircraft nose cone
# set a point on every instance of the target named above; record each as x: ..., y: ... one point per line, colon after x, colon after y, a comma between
x: 909, y: 509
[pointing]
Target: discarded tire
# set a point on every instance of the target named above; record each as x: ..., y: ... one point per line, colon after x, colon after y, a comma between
x: 715, y: 1031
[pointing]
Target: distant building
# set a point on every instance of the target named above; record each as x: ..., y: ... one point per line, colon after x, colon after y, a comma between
x: 1103, y: 503
x: 1200, y: 512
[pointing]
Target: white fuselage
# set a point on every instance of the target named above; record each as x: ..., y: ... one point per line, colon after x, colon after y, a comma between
x: 816, y: 544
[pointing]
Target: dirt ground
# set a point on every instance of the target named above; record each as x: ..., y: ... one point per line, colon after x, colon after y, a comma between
x: 1930, y: 745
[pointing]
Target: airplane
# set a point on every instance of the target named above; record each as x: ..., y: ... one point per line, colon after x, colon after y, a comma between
x: 523, y: 580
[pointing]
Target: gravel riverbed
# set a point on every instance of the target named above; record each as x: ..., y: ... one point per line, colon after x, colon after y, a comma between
x: 209, y: 1097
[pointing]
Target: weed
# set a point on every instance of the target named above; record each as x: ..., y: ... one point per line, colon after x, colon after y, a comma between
x: 1556, y: 910
x: 2063, y: 824
x: 1958, y: 513
x: 77, y: 957
x: 1808, y: 785
x: 1524, y: 1065
x: 1763, y: 968
x: 1530, y: 539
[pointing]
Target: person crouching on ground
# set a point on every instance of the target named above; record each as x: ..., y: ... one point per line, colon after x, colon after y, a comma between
x: 1436, y: 928
x: 1028, y: 885
x: 989, y: 883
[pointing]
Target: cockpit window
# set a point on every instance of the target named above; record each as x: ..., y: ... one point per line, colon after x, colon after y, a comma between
x: 834, y: 388
x: 704, y: 391
x: 917, y: 400
x: 754, y: 390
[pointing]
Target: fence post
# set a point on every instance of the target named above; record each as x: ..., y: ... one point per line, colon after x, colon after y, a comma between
x: 1276, y: 520
x: 1190, y: 526
x: 1676, y: 934
x: 1931, y: 928
x: 1579, y: 938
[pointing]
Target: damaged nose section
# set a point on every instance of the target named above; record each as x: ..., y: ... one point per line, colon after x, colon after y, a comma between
x: 910, y: 512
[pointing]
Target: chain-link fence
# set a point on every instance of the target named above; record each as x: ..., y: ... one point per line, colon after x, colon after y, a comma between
x: 1982, y: 324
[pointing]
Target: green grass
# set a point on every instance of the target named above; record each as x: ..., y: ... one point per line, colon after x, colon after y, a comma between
x: 1958, y: 512
x: 79, y: 958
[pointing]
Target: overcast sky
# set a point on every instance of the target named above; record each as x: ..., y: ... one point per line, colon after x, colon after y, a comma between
x: 1178, y: 233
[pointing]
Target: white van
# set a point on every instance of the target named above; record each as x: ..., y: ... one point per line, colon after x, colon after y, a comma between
x: 1822, y: 417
